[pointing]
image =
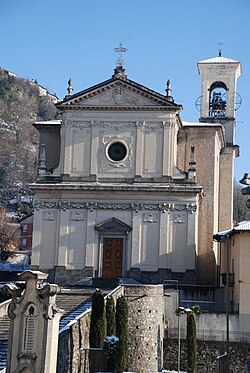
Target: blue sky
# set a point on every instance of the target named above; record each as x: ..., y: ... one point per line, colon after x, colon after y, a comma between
x: 52, y: 40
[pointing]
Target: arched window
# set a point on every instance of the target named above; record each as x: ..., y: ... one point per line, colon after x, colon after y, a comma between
x: 30, y: 329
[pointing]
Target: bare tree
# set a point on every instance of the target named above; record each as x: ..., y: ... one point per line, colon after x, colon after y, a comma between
x: 240, y: 210
x: 8, y: 234
x: 20, y: 106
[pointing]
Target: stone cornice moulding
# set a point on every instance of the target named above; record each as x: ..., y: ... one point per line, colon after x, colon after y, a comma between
x: 99, y: 187
x: 163, y: 207
x: 120, y: 124
x: 117, y: 108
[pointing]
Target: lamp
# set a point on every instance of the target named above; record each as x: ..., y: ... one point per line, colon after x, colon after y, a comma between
x: 246, y: 179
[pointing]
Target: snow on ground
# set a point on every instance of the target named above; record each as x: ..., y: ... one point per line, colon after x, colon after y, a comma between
x: 18, y: 258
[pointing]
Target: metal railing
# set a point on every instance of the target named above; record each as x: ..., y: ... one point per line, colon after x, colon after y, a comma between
x: 92, y: 360
x: 211, y: 335
x: 222, y: 364
x: 5, y: 266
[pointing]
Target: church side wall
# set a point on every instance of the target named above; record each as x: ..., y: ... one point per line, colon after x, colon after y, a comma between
x: 208, y: 142
x: 226, y: 189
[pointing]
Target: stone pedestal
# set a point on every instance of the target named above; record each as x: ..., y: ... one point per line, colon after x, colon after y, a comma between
x: 34, y: 324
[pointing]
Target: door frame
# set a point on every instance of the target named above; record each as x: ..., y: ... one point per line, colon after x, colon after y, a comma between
x: 113, y: 228
x: 124, y: 252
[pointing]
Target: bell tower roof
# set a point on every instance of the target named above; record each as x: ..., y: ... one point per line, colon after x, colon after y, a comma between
x: 222, y: 68
x: 218, y: 59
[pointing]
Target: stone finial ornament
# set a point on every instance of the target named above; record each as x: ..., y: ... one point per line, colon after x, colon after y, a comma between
x: 119, y: 72
x: 70, y: 89
x: 168, y: 91
x: 42, y: 161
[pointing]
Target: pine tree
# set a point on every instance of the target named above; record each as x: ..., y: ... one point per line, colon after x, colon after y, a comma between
x: 122, y: 332
x: 110, y: 315
x: 98, y: 324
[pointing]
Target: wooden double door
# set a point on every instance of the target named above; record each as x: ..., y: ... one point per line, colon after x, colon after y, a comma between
x: 112, y: 257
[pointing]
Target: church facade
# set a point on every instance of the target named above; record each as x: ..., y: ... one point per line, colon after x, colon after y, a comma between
x: 126, y: 189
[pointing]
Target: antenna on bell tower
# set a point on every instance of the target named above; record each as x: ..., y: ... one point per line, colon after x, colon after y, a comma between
x: 220, y: 43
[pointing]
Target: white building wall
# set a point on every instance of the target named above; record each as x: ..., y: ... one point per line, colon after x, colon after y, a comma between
x: 151, y: 144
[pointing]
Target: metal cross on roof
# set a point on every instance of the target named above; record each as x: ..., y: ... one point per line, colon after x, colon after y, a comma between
x: 120, y: 50
x: 220, y: 43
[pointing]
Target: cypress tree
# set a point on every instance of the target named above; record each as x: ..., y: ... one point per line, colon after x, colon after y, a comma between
x: 122, y: 332
x: 191, y: 342
x: 110, y: 315
x: 98, y: 324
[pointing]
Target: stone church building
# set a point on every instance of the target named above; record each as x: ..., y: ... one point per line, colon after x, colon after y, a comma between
x: 127, y: 189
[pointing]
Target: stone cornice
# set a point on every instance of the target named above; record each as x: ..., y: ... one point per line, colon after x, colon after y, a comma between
x: 119, y: 124
x: 117, y: 108
x: 97, y: 187
x: 163, y: 206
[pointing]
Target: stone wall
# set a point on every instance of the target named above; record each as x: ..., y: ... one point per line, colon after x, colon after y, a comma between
x: 74, y: 339
x: 207, y: 353
x: 210, y: 325
x: 70, y: 341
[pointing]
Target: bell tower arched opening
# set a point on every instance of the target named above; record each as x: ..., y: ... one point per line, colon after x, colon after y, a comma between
x: 218, y: 100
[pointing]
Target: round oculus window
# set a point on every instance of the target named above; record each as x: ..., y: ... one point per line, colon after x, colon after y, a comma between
x: 117, y: 151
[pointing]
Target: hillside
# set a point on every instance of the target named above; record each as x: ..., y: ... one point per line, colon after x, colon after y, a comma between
x: 22, y: 102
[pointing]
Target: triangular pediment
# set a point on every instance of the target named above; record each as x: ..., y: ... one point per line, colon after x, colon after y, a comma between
x: 117, y: 93
x: 113, y: 225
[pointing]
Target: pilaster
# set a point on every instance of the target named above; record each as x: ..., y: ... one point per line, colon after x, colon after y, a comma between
x: 139, y: 149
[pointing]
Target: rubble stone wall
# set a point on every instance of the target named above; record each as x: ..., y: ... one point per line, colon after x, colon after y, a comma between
x: 145, y: 307
x: 207, y: 354
x: 72, y: 356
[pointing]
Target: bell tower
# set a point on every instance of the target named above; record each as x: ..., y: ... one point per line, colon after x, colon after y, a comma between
x: 219, y: 99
